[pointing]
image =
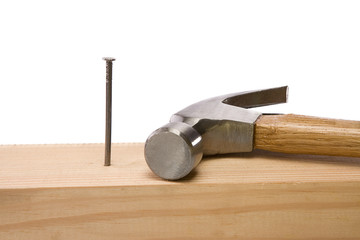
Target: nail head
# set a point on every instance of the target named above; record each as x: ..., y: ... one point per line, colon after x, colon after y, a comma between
x: 109, y: 59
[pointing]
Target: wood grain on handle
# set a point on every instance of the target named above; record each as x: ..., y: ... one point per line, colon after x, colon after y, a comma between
x: 307, y: 135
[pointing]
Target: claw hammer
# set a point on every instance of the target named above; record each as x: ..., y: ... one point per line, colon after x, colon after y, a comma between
x: 225, y: 124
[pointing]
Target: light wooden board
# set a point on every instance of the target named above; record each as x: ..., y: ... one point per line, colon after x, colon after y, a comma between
x: 65, y: 192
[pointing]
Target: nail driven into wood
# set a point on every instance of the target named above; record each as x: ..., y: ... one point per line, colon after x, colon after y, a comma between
x: 109, y: 61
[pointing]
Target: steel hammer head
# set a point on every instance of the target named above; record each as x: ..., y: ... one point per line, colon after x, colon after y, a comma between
x: 214, y: 126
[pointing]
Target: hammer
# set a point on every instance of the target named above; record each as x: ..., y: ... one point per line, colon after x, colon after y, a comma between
x: 224, y: 124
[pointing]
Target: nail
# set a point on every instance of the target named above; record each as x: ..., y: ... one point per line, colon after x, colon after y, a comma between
x: 109, y: 61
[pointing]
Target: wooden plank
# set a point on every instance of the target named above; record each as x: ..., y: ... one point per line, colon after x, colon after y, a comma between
x: 65, y: 192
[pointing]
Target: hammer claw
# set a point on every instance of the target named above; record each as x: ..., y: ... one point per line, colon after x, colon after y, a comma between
x: 258, y: 98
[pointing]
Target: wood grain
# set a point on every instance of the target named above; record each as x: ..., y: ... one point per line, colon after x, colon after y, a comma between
x: 307, y: 135
x: 65, y: 192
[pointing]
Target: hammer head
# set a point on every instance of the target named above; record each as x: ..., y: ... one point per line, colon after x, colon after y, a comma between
x: 214, y: 126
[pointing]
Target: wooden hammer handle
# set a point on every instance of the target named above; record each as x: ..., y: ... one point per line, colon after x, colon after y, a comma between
x: 307, y: 135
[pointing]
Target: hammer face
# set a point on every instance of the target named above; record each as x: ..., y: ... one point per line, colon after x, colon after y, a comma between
x: 173, y: 151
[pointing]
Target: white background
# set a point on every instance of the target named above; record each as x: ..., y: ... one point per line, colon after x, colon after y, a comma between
x: 169, y: 54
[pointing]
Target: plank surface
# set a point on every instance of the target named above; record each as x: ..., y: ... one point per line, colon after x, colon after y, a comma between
x: 81, y: 165
x: 65, y: 192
